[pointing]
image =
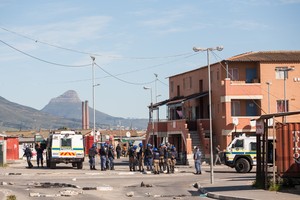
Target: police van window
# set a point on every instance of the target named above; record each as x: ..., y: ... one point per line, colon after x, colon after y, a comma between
x: 253, y: 146
x: 66, y: 143
x: 239, y: 143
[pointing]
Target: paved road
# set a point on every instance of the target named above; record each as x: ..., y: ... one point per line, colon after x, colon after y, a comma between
x: 87, y: 184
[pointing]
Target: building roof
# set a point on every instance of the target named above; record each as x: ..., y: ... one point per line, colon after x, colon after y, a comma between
x: 267, y: 56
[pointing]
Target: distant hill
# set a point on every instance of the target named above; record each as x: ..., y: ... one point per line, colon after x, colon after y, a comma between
x: 62, y: 111
x: 68, y: 105
x: 18, y: 117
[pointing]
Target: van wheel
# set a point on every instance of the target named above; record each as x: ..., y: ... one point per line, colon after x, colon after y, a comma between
x: 52, y: 165
x: 242, y: 165
x: 79, y: 165
x: 74, y: 164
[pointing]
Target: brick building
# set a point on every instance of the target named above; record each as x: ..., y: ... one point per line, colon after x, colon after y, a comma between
x: 243, y: 88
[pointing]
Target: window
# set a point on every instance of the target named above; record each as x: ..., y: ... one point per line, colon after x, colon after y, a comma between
x: 252, y: 146
x: 281, y: 106
x: 172, y: 86
x: 239, y: 143
x: 233, y: 74
x: 66, y: 143
x: 235, y: 108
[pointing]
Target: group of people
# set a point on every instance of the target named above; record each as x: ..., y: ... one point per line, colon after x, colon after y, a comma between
x: 39, y: 155
x: 155, y: 159
x: 107, y: 156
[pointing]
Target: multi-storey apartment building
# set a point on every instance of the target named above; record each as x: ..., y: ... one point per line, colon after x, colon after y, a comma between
x: 243, y: 87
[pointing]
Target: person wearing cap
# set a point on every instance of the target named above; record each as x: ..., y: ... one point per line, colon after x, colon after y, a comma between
x: 103, y: 156
x: 111, y: 157
x: 156, y: 159
x: 140, y: 157
x: 197, y: 160
x: 92, y: 159
x: 28, y: 154
x: 132, y: 158
x: 162, y: 154
x: 148, y: 157
x: 173, y: 159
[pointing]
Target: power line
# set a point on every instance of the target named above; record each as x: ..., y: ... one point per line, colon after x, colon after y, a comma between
x: 132, y: 83
x: 42, y: 60
x: 90, y: 53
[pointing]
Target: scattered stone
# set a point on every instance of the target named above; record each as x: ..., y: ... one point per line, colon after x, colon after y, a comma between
x: 89, y: 188
x: 33, y: 194
x: 74, y: 179
x: 145, y: 185
x: 148, y: 194
x: 104, y: 188
x: 130, y: 194
x: 196, y: 185
x: 14, y: 173
x: 3, y: 183
x: 68, y: 193
x: 156, y: 196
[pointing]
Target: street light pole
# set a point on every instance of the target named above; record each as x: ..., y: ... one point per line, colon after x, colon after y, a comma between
x: 219, y: 48
x: 151, y: 113
x: 285, y: 71
x: 93, y: 84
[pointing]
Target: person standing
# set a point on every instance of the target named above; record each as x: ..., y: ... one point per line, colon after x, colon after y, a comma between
x: 28, y: 154
x: 148, y: 157
x: 218, y: 155
x: 132, y: 158
x: 92, y: 159
x: 156, y: 159
x: 39, y: 154
x: 118, y: 150
x: 173, y: 159
x: 111, y: 157
x: 103, y: 157
x: 197, y: 159
x: 140, y: 157
x: 162, y: 158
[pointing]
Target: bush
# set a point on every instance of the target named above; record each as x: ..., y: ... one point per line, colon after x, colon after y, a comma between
x: 11, y: 197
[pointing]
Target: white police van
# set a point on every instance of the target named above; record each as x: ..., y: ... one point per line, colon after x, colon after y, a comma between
x: 65, y: 147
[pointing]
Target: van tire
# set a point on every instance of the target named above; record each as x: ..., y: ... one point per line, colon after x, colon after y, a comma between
x: 79, y: 165
x: 242, y: 165
x: 52, y: 165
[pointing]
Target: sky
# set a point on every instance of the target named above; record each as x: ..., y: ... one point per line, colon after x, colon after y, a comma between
x: 46, y: 46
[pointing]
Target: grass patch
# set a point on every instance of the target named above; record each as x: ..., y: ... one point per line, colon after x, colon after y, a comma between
x: 11, y: 197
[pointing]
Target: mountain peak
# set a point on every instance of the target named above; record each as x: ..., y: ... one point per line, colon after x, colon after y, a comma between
x: 69, y: 96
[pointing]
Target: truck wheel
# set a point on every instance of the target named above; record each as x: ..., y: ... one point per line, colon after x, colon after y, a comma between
x: 74, y: 164
x: 48, y: 163
x: 242, y: 165
x: 79, y: 165
x: 52, y: 165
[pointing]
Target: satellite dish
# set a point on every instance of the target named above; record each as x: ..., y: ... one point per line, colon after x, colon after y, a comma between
x: 128, y: 134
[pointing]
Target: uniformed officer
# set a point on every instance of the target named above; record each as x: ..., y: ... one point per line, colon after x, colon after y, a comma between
x: 140, y: 157
x: 173, y: 159
x: 162, y: 158
x: 103, y: 156
x: 156, y: 159
x: 111, y: 157
x: 132, y: 158
x: 92, y: 160
x: 148, y: 157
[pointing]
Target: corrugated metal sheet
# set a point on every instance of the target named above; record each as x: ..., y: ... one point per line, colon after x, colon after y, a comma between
x: 12, y: 148
x: 288, y: 150
x: 89, y: 141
